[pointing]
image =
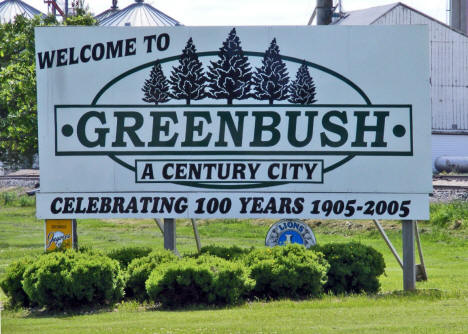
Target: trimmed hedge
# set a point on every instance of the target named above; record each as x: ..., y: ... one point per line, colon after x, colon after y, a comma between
x: 205, y: 280
x: 289, y: 271
x: 220, y: 276
x: 69, y: 279
x: 140, y: 269
x: 354, y: 268
x: 232, y: 253
x: 126, y: 255
x: 11, y: 284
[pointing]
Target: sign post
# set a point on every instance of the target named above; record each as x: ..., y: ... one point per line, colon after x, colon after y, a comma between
x: 409, y: 264
x: 234, y: 122
x: 170, y: 234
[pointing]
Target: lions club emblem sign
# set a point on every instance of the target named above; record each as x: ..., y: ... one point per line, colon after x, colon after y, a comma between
x: 290, y: 231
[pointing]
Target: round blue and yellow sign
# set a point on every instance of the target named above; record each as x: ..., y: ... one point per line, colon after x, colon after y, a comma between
x: 290, y: 231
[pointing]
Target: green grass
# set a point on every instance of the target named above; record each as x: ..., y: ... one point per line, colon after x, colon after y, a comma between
x: 357, y: 314
x: 439, y: 306
x: 453, y: 214
x: 16, y: 198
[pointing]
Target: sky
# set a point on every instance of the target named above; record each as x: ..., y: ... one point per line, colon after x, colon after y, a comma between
x: 252, y: 12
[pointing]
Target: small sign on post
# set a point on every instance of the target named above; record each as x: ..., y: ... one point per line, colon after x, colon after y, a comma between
x: 290, y: 231
x: 60, y: 234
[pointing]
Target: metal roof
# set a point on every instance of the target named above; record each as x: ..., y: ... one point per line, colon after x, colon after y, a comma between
x: 371, y: 15
x: 139, y: 14
x: 107, y: 13
x: 9, y: 9
x: 366, y: 16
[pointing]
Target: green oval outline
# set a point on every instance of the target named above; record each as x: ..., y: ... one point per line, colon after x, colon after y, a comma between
x: 248, y: 53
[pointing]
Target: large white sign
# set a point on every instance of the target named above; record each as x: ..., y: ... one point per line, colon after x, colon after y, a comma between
x: 304, y: 122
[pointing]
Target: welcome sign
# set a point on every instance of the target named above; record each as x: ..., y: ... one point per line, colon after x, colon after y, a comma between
x: 304, y: 122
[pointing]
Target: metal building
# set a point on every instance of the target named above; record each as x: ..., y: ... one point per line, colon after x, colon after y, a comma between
x: 139, y: 14
x: 9, y: 9
x: 449, y: 73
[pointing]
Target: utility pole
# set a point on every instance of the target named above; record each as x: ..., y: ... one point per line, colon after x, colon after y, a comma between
x: 324, y: 12
x: 459, y: 15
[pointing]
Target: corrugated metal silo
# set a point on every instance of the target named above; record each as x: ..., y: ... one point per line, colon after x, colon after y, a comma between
x: 9, y: 9
x: 139, y: 14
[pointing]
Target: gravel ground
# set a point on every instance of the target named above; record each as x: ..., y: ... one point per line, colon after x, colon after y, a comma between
x: 18, y: 183
x: 448, y: 195
x: 23, y: 172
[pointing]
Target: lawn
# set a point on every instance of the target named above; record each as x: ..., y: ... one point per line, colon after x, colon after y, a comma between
x: 439, y: 306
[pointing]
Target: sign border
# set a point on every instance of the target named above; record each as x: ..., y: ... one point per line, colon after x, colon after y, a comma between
x: 197, y: 183
x: 247, y: 153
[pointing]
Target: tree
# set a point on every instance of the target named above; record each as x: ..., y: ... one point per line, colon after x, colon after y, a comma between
x: 187, y: 79
x: 18, y: 104
x: 302, y: 90
x: 81, y: 15
x: 271, y: 80
x: 156, y: 88
x: 81, y: 20
x: 230, y: 77
x: 80, y: 8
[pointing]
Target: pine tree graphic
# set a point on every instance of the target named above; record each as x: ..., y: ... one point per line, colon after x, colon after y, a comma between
x: 230, y: 77
x: 271, y: 80
x: 302, y: 90
x: 188, y: 80
x: 156, y: 88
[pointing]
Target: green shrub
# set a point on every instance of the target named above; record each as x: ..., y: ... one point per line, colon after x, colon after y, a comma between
x: 444, y: 214
x: 86, y: 249
x: 205, y: 280
x: 232, y: 253
x: 69, y: 279
x: 289, y: 271
x: 231, y: 280
x: 126, y: 255
x: 27, y: 201
x: 16, y: 198
x: 11, y: 284
x: 8, y: 198
x: 139, y: 270
x: 354, y: 268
